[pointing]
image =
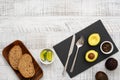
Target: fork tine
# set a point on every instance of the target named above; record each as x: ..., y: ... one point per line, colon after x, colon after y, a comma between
x: 81, y: 40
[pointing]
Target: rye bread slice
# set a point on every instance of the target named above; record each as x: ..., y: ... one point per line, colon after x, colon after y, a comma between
x: 26, y: 67
x: 14, y: 56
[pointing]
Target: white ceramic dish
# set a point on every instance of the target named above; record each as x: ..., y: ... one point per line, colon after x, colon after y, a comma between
x: 108, y: 51
x: 47, y: 62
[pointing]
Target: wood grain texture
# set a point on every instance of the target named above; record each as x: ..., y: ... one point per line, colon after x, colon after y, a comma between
x: 20, y: 19
x: 60, y: 8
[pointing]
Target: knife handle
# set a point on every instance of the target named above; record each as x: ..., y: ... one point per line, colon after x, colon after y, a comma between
x: 63, y: 73
x: 71, y: 70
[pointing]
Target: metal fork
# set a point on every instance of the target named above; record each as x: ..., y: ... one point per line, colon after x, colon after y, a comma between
x: 79, y: 44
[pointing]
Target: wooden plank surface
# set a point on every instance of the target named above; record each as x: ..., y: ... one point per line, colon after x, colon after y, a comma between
x: 44, y: 32
x: 60, y: 7
x: 23, y: 19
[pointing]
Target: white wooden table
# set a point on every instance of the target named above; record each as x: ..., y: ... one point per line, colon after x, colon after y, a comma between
x: 60, y: 7
x: 44, y: 32
x: 41, y: 24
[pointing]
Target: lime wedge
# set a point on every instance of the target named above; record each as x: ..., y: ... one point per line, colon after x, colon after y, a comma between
x: 49, y: 56
x: 43, y: 55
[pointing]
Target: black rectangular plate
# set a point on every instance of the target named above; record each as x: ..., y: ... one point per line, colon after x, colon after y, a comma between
x: 81, y: 65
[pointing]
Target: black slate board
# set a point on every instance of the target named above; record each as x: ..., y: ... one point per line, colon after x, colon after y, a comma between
x: 81, y: 65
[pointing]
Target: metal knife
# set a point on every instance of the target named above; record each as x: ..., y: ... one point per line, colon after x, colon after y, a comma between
x: 69, y: 53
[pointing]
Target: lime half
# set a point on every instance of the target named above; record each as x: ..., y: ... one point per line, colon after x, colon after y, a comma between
x: 49, y: 56
x: 43, y: 55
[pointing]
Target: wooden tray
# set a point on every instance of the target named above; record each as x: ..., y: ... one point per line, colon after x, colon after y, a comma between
x: 38, y: 70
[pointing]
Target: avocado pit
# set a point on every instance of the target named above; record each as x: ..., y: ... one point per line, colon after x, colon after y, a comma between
x: 91, y: 56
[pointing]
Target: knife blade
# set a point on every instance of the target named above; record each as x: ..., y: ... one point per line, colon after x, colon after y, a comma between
x: 69, y: 53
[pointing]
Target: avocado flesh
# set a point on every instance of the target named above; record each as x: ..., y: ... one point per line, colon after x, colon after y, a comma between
x: 95, y: 56
x: 94, y: 39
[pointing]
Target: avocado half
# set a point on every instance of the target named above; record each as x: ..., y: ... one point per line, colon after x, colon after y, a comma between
x: 94, y: 39
x: 91, y: 56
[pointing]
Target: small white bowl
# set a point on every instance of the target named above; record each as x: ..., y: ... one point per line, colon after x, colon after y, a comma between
x: 47, y: 62
x: 108, y: 51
